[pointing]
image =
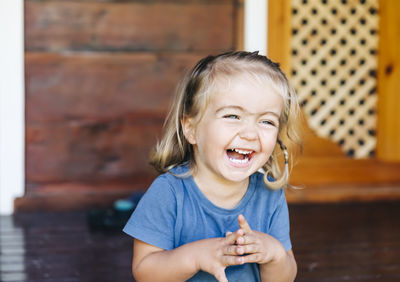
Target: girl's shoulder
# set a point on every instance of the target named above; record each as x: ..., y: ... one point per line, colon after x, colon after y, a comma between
x: 262, y: 190
x: 165, y: 191
x: 173, y: 179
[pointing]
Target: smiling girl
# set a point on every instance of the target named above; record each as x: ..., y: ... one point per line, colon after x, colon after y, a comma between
x: 217, y: 211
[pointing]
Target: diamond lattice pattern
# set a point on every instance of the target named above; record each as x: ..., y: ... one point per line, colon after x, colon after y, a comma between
x: 334, y: 63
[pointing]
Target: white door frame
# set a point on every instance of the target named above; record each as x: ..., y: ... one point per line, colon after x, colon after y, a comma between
x: 12, y: 107
x: 255, y: 25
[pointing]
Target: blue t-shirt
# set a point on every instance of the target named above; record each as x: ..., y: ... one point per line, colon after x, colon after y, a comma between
x: 174, y: 212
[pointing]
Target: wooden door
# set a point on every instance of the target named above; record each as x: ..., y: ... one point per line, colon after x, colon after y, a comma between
x: 342, y: 59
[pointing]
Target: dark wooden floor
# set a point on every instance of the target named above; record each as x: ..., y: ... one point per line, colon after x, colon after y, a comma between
x: 347, y: 242
x: 332, y: 242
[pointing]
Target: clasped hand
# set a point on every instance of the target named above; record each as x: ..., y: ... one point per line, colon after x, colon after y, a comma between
x: 242, y: 246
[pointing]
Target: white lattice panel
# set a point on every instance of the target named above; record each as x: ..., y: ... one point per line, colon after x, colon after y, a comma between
x: 334, y: 63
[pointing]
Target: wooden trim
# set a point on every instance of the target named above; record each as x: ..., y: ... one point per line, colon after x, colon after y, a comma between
x: 388, y: 131
x: 343, y: 193
x: 80, y: 195
x: 131, y: 26
x: 279, y: 17
x: 69, y: 201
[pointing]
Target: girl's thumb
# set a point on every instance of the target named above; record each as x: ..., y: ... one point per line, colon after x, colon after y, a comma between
x: 220, y: 275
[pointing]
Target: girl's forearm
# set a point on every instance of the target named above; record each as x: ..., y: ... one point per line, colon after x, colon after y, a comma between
x: 284, y: 269
x: 174, y: 265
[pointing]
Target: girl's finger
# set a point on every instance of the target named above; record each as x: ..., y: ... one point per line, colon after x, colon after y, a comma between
x: 246, y: 240
x: 253, y: 258
x: 230, y: 250
x: 232, y: 260
x: 243, y: 224
x: 228, y: 233
x: 231, y: 237
x: 220, y: 275
x: 250, y: 249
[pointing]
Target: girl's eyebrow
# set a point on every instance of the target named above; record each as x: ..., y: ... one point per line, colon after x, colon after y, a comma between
x: 229, y: 107
x: 234, y: 107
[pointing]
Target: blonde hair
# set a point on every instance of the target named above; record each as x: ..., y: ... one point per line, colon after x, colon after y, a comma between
x: 192, y: 98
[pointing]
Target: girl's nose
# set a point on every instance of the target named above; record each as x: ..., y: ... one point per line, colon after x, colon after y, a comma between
x: 248, y: 132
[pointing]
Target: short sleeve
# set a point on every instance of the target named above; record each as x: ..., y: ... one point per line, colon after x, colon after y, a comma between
x: 280, y: 226
x: 154, y: 218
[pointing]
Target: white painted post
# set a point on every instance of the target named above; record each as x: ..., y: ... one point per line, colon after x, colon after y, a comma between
x: 12, y: 108
x: 255, y: 25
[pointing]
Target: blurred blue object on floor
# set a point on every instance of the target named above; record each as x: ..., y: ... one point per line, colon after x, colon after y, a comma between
x: 113, y: 218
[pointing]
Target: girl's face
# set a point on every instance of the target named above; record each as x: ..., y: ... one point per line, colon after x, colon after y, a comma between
x: 238, y: 131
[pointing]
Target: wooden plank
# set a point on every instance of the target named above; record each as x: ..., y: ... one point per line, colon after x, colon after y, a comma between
x: 101, y: 85
x: 90, y: 151
x: 388, y: 148
x: 70, y: 201
x: 129, y: 25
x: 239, y: 27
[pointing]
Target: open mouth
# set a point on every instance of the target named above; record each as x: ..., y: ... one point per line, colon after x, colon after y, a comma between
x: 240, y: 156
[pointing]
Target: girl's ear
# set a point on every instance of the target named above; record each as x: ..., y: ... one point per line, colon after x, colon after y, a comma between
x: 189, y: 130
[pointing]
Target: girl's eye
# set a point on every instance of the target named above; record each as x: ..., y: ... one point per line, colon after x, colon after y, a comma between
x: 268, y: 122
x: 231, y: 116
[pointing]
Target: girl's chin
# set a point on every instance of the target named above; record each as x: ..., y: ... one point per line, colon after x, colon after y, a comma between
x: 239, y: 172
x: 238, y: 176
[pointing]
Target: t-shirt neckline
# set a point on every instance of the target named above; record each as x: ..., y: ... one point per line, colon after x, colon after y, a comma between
x: 211, y: 206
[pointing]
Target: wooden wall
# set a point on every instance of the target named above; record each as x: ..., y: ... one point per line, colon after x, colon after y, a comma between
x: 99, y: 78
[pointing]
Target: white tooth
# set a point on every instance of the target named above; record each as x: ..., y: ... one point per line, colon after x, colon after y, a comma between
x: 242, y: 151
x: 245, y: 160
